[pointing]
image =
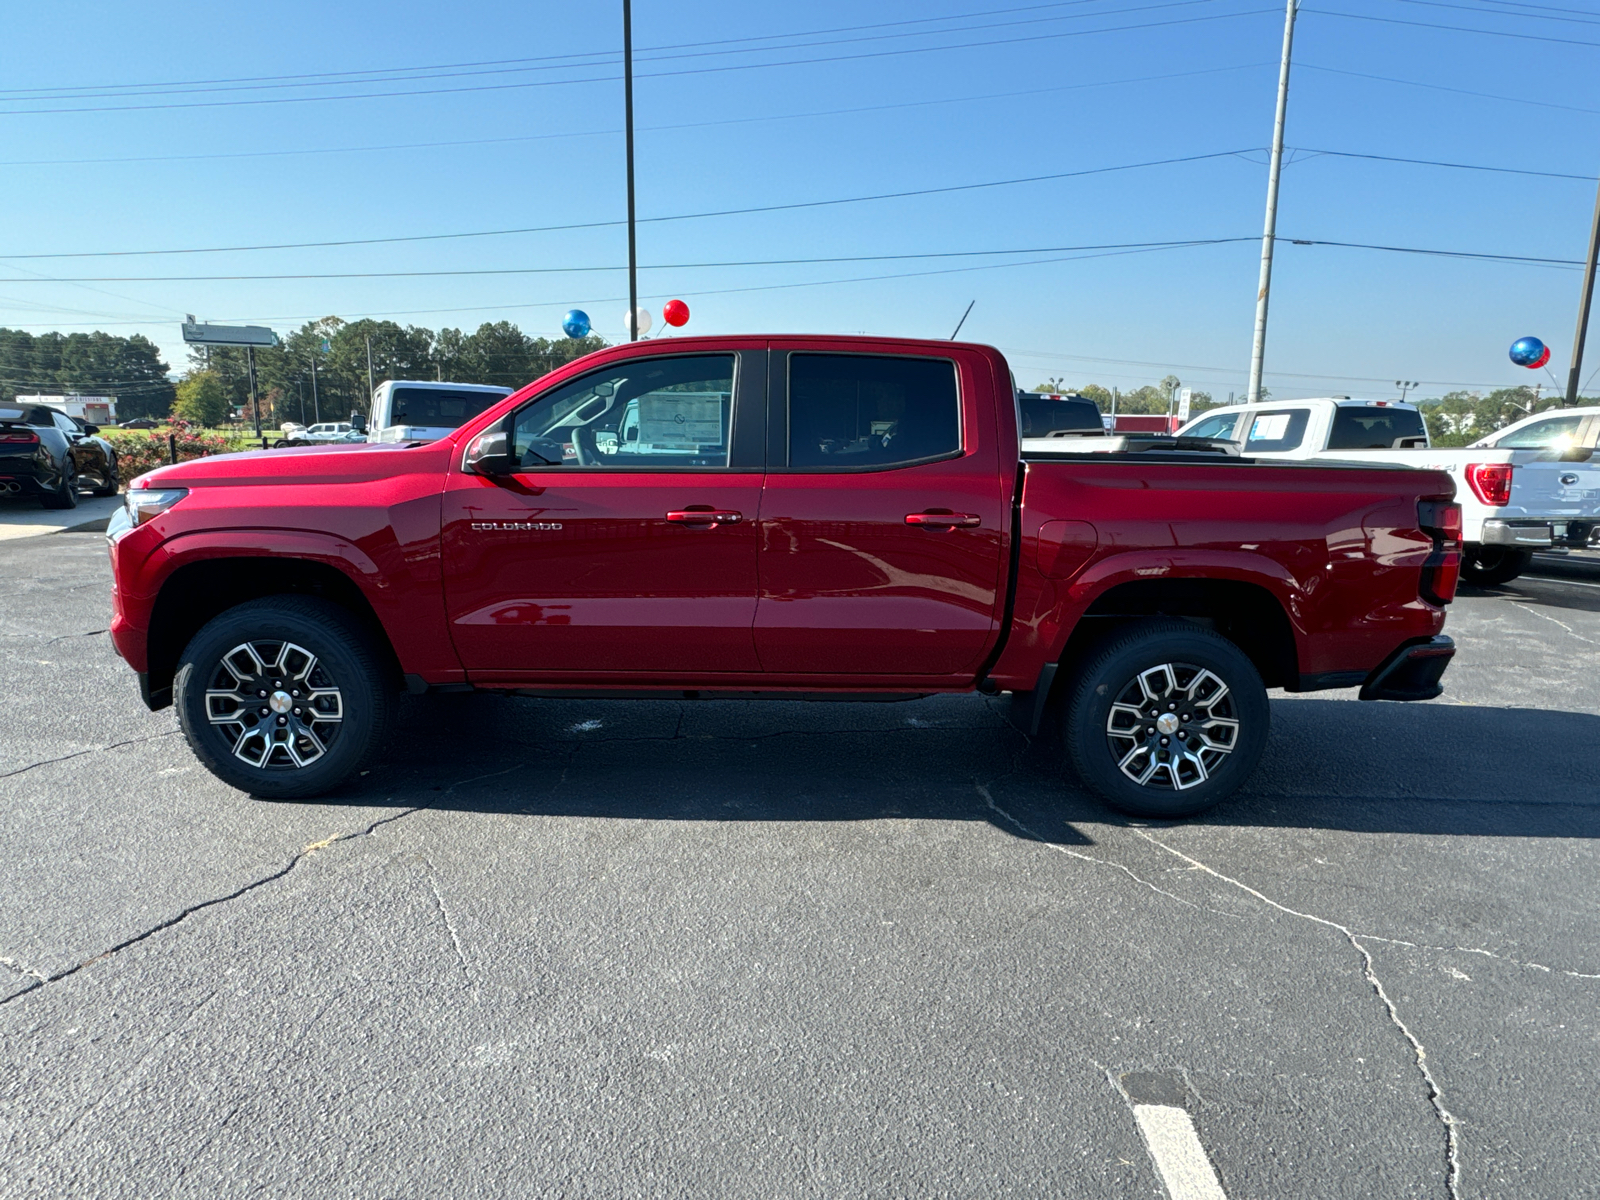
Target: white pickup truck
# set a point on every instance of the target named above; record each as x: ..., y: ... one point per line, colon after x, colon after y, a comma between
x: 415, y: 410
x: 1530, y: 487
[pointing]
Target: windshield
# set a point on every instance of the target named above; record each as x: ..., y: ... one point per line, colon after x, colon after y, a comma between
x: 1374, y: 428
x: 438, y: 407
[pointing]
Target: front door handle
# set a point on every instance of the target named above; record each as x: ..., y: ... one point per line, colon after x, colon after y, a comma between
x: 935, y: 519
x: 705, y: 516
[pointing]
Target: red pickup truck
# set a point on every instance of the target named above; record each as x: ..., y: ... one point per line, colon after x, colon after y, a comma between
x: 779, y: 517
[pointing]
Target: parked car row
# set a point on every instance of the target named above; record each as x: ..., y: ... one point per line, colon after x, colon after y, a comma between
x: 50, y: 456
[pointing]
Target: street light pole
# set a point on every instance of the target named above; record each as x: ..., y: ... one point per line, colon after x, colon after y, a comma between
x: 1269, y: 233
x: 627, y: 107
x: 250, y: 367
x: 316, y: 408
x: 1583, y: 307
x: 369, y: 372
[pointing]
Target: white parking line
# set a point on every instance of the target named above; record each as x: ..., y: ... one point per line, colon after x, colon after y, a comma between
x: 1179, y: 1157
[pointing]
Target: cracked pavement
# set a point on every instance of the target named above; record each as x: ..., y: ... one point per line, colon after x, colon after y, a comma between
x: 728, y: 948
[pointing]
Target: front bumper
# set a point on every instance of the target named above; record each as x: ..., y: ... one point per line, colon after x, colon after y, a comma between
x: 1412, y: 672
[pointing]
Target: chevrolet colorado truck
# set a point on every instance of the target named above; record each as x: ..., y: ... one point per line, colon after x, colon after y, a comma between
x: 779, y: 517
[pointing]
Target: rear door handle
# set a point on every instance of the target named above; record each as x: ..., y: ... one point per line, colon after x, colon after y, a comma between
x: 705, y: 516
x: 934, y: 519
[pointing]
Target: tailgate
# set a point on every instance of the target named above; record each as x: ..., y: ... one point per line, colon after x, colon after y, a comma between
x: 1543, y: 486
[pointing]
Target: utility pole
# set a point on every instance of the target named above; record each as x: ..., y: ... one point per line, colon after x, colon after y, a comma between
x: 300, y: 386
x: 250, y: 366
x: 627, y: 108
x: 1583, y: 308
x: 1269, y: 233
x: 369, y: 372
x: 316, y: 408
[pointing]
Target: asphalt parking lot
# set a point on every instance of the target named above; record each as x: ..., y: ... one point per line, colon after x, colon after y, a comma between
x: 621, y: 948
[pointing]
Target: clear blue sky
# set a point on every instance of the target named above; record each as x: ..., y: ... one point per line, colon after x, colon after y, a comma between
x: 731, y: 117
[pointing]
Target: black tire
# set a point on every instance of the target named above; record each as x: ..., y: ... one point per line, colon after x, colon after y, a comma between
x: 1206, y: 771
x: 1489, y: 566
x: 303, y: 751
x: 65, y: 496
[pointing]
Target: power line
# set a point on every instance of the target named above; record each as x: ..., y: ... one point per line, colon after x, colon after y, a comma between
x: 1586, y: 19
x: 874, y: 54
x: 1523, y: 37
x: 1439, y: 87
x: 605, y: 58
x: 726, y: 212
x: 482, y: 271
x: 541, y: 137
x: 609, y: 55
x: 1428, y: 162
x: 773, y: 262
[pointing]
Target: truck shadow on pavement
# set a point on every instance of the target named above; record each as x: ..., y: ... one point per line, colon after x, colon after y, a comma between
x: 1438, y: 769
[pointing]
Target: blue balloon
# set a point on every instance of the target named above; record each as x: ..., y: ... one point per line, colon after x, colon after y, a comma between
x: 1528, y: 351
x: 576, y: 323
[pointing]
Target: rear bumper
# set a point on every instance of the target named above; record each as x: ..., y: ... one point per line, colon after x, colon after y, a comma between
x: 1412, y: 672
x: 1540, y: 534
x: 24, y: 485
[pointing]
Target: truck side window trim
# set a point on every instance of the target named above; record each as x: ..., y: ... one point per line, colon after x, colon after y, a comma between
x: 781, y: 415
x: 746, y: 425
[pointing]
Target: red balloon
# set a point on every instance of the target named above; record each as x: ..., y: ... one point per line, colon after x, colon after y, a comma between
x: 1543, y: 358
x: 675, y: 312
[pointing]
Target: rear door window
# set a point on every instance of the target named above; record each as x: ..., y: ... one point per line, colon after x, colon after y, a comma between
x: 867, y: 411
x: 1281, y: 429
x: 1369, y: 427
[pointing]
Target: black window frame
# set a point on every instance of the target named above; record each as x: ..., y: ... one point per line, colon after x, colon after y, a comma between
x: 747, y: 436
x: 778, y: 415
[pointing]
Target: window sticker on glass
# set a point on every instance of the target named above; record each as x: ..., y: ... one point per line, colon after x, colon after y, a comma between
x: 680, y: 420
x: 1270, y: 428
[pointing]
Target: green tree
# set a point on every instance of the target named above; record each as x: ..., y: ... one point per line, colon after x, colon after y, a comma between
x: 203, y: 399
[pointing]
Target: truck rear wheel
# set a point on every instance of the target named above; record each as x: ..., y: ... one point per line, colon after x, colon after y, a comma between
x: 1166, y: 719
x: 1488, y: 566
x: 283, y: 697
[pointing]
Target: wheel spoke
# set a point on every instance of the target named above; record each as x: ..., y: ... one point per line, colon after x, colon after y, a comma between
x: 219, y: 715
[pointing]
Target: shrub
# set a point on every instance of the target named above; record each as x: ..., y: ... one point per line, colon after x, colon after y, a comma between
x: 136, y: 455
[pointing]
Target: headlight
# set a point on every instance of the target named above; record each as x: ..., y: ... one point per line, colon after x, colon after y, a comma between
x: 146, y: 504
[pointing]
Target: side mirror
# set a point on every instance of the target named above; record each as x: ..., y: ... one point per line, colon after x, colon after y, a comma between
x: 358, y: 423
x: 489, y: 454
x: 91, y: 429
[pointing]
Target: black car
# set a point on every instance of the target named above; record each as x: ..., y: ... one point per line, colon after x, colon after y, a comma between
x: 45, y: 453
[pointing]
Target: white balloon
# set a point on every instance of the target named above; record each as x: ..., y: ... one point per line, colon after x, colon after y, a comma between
x: 642, y: 316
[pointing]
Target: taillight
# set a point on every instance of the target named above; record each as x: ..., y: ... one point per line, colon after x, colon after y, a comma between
x: 1490, y: 483
x: 19, y: 437
x: 1441, y: 571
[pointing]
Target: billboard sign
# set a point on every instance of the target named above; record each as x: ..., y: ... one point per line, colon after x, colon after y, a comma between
x: 201, y: 334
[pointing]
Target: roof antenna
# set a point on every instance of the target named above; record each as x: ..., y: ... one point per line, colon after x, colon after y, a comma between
x: 963, y: 320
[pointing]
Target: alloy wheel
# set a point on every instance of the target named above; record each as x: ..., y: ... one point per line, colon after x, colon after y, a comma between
x: 274, y: 705
x: 1172, y: 726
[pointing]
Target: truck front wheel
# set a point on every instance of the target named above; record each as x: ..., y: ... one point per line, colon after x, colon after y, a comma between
x: 1489, y: 566
x: 283, y: 697
x: 1166, y: 719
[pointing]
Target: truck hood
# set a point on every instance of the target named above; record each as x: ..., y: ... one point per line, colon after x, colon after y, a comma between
x: 350, y: 462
